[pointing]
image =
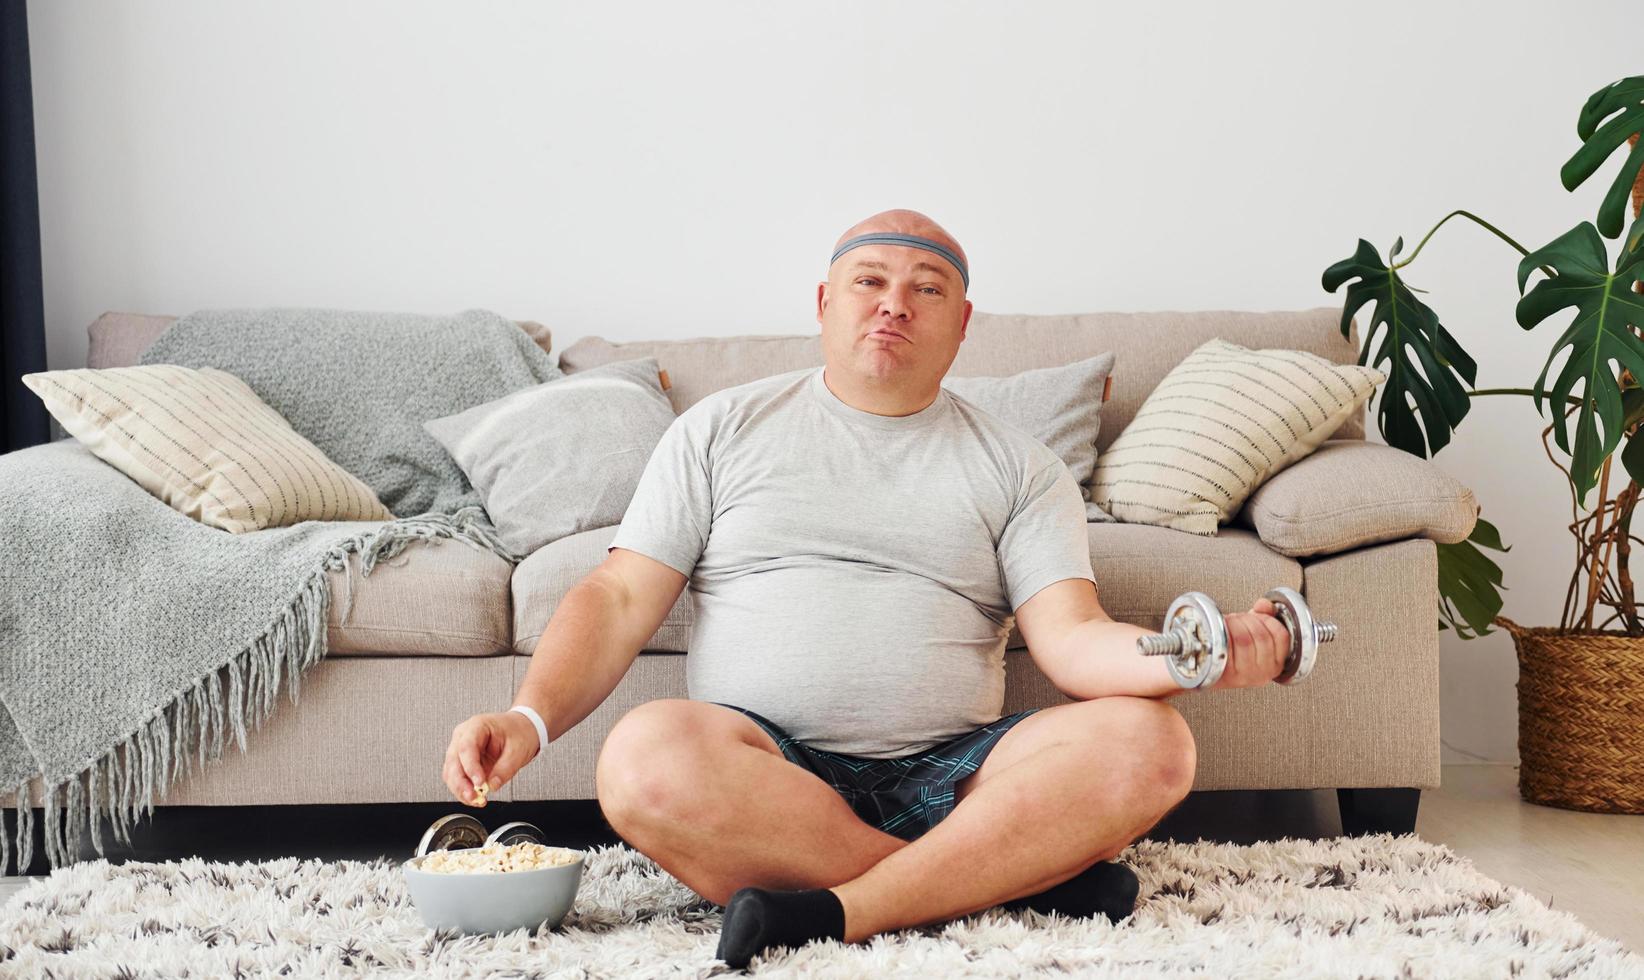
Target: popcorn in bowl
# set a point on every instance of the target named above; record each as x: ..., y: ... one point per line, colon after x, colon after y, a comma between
x: 498, y: 859
x: 473, y: 881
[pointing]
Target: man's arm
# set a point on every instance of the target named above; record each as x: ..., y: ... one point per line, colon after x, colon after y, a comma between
x: 1084, y: 651
x: 595, y: 634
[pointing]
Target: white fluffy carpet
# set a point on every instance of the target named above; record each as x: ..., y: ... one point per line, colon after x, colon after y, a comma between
x: 1367, y: 907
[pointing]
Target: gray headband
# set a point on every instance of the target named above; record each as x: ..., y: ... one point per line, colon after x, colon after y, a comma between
x: 912, y: 241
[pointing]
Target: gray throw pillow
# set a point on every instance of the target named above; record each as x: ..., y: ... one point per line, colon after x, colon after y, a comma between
x: 563, y: 456
x: 1060, y: 406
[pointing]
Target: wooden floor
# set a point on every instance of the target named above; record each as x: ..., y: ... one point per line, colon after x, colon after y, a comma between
x: 1586, y: 863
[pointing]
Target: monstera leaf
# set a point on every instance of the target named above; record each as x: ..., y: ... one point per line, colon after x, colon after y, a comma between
x: 1412, y: 327
x: 1632, y: 457
x: 1468, y: 581
x: 1606, y: 310
x: 1632, y: 412
x: 1625, y: 101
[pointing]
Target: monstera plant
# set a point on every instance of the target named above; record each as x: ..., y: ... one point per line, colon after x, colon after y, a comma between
x: 1420, y: 409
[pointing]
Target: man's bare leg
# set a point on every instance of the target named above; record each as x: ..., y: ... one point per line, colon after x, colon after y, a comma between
x: 705, y: 793
x: 1098, y: 774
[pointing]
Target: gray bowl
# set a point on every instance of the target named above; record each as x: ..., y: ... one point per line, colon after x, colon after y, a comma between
x: 494, y: 902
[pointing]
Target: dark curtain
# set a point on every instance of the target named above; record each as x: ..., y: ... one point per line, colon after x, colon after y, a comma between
x: 22, y: 308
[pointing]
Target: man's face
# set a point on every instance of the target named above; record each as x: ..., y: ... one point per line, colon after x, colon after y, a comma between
x: 892, y: 314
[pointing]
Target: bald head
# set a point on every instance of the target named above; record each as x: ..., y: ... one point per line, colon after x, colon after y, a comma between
x: 904, y: 222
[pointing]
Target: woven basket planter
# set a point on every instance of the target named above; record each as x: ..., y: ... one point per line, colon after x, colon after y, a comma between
x: 1580, y: 717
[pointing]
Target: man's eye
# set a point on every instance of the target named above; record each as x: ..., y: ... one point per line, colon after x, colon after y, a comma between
x: 932, y: 290
x: 867, y: 280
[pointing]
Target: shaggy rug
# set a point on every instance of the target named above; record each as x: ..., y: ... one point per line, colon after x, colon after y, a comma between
x: 1366, y: 907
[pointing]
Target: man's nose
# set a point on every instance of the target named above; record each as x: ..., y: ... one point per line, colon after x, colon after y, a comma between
x: 895, y: 303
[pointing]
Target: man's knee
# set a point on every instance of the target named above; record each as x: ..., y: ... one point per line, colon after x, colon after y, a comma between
x: 648, y: 766
x: 1175, y: 758
x: 1164, y: 755
x: 1155, y: 771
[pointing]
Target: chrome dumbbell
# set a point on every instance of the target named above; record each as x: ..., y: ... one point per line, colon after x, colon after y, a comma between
x: 1194, y: 638
x: 462, y: 830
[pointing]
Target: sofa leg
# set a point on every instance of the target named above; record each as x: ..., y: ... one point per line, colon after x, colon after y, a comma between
x: 1378, y: 811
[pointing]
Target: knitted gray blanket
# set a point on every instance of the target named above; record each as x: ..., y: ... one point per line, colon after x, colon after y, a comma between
x: 134, y: 640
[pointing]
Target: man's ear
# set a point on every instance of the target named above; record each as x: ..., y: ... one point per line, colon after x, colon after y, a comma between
x: 965, y: 323
x: 821, y: 300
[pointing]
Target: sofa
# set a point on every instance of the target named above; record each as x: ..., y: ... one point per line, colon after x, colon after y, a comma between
x: 446, y: 630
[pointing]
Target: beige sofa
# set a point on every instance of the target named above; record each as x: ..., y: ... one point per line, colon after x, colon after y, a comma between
x: 446, y: 630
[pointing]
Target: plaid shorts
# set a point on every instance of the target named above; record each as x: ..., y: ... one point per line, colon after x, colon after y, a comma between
x: 904, y: 797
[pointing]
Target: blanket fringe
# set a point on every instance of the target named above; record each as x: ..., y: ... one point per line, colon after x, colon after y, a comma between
x: 180, y: 737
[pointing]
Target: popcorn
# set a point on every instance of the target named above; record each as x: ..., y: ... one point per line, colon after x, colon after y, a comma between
x: 497, y: 859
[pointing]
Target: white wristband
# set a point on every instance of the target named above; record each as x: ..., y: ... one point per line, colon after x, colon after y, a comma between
x: 536, y: 721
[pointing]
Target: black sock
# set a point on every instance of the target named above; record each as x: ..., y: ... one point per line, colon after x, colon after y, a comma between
x: 756, y: 919
x: 1105, y: 887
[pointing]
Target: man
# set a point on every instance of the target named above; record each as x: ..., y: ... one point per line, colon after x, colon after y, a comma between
x: 857, y: 540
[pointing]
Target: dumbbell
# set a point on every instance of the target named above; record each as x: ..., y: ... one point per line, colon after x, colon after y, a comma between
x: 462, y: 830
x: 1195, y: 638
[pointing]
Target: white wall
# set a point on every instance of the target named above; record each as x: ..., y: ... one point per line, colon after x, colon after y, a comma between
x: 683, y: 169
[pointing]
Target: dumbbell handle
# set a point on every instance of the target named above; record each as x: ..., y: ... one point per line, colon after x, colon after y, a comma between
x: 1175, y: 641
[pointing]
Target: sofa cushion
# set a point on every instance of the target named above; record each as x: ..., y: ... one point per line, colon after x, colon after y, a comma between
x: 562, y: 456
x: 443, y: 597
x: 543, y: 579
x: 205, y: 444
x: 1141, y: 568
x: 119, y: 339
x: 1146, y: 346
x: 1222, y: 422
x: 1059, y: 406
x: 1352, y: 493
x: 701, y: 366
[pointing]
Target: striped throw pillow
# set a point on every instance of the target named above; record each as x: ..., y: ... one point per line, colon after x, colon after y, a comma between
x: 1221, y: 422
x: 203, y: 442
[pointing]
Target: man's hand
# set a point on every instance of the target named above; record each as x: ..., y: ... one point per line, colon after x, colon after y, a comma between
x: 488, y: 749
x: 1258, y: 645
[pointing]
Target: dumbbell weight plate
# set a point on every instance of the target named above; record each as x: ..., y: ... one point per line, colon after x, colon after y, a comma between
x: 516, y: 833
x: 452, y: 833
x: 1202, y: 665
x: 1304, y: 638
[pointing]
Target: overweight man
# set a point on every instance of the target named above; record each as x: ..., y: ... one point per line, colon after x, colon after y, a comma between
x: 858, y: 542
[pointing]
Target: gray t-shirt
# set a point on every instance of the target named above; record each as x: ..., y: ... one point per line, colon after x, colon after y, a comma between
x: 854, y: 577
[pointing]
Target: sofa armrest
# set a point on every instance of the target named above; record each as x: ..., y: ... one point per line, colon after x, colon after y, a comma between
x: 1349, y: 493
